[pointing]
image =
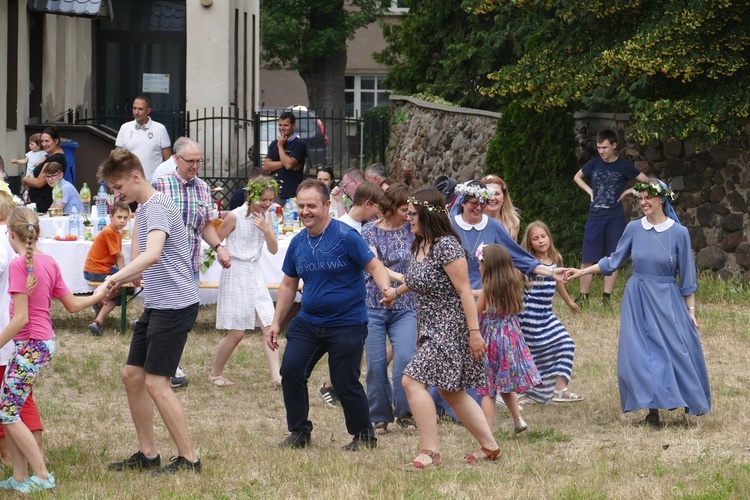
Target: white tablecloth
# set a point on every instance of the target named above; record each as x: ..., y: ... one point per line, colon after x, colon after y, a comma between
x: 71, y: 256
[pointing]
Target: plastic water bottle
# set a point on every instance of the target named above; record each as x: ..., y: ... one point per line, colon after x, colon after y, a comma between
x: 57, y: 192
x: 74, y: 221
x: 85, y: 199
x: 275, y: 223
x: 288, y: 213
x: 101, y: 201
x: 295, y: 212
x: 102, y: 224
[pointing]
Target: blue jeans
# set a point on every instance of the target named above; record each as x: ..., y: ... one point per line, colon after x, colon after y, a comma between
x: 305, y: 345
x: 400, y: 326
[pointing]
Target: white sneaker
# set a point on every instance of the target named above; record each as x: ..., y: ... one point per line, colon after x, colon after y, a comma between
x: 520, y: 426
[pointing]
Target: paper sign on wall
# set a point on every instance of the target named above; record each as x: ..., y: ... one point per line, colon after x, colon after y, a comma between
x: 156, y: 83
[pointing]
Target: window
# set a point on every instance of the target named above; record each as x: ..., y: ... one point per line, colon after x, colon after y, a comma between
x: 363, y: 93
x: 395, y: 6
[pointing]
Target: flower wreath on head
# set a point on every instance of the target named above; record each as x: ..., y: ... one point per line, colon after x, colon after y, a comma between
x: 653, y: 190
x: 256, y: 187
x: 425, y: 204
x: 5, y: 188
x: 480, y: 251
x: 482, y: 193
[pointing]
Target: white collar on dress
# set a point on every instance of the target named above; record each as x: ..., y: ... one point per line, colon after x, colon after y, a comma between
x: 468, y: 227
x: 659, y: 228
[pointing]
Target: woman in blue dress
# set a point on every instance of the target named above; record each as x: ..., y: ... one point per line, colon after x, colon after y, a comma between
x: 660, y: 361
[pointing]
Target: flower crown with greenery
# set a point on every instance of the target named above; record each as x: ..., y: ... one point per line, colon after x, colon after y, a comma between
x: 425, y: 204
x: 483, y: 193
x: 256, y: 187
x: 653, y: 190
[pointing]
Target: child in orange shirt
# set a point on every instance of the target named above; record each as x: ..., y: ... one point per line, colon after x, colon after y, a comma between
x: 105, y: 258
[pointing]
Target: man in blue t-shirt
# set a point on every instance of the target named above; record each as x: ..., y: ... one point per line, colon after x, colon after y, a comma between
x: 285, y: 158
x: 329, y: 257
x: 609, y: 175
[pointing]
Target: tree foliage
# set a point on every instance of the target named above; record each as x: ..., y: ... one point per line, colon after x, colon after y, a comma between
x: 679, y: 67
x: 440, y: 48
x: 534, y: 154
x: 310, y: 36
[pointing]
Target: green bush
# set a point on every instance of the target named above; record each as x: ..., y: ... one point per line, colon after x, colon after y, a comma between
x: 534, y: 153
x: 377, y: 132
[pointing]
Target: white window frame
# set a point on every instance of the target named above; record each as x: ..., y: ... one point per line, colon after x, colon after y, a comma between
x: 395, y: 9
x: 357, y: 90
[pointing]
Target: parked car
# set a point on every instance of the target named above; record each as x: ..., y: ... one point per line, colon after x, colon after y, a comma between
x: 309, y: 128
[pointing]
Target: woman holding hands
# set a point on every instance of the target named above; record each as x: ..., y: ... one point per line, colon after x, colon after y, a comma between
x: 660, y: 361
x: 451, y: 351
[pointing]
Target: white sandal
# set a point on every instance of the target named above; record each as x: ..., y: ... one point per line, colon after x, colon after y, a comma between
x: 219, y: 381
x: 565, y: 396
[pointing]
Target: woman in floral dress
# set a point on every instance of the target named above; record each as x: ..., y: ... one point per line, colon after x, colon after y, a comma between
x: 451, y: 351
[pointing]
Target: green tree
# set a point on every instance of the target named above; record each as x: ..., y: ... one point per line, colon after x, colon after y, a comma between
x: 310, y: 37
x: 440, y: 48
x: 679, y: 67
x: 534, y: 154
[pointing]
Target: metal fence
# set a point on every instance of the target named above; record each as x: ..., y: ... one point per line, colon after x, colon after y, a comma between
x: 234, y: 142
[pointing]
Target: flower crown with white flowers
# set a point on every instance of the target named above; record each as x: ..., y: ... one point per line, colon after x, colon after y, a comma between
x: 480, y: 251
x: 653, y: 190
x: 426, y: 205
x: 475, y: 190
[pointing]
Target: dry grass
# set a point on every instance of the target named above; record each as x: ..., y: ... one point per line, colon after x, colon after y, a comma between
x: 583, y: 450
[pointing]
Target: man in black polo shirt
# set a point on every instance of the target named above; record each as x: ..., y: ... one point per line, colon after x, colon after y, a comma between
x: 286, y: 158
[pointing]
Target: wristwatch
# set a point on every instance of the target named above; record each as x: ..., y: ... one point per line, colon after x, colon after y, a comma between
x: 216, y: 247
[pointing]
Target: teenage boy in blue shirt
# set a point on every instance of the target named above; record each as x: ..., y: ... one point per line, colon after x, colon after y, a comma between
x: 609, y: 174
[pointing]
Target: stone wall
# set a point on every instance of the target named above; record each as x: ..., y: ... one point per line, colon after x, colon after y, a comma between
x: 713, y: 185
x: 429, y: 140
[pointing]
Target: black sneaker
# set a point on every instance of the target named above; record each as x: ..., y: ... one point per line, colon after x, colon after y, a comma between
x: 179, y: 379
x: 136, y: 461
x: 295, y: 440
x: 359, y: 443
x: 582, y: 300
x: 177, y: 464
x: 329, y: 396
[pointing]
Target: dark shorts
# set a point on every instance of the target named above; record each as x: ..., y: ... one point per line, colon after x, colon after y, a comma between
x: 159, y: 337
x: 600, y: 237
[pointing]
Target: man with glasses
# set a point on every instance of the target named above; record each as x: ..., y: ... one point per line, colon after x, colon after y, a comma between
x: 147, y: 139
x: 346, y: 186
x: 53, y: 174
x: 285, y: 158
x: 193, y: 198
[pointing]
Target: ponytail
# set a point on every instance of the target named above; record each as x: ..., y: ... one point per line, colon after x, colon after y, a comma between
x: 25, y: 224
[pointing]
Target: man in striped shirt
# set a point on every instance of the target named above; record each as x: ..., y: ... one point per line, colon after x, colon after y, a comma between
x: 193, y: 198
x: 170, y: 309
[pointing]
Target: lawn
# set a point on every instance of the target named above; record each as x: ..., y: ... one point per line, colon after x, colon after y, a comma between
x: 575, y: 450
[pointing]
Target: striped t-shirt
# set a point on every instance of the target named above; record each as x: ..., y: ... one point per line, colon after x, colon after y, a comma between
x: 169, y: 283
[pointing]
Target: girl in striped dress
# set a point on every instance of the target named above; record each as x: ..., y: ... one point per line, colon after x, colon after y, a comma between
x: 549, y: 342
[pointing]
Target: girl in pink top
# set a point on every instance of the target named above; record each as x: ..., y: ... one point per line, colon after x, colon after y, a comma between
x: 34, y: 279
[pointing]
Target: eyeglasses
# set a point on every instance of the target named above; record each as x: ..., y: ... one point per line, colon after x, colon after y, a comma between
x: 411, y: 214
x: 51, y: 176
x: 191, y: 163
x: 344, y: 186
x: 477, y: 202
x: 644, y: 198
